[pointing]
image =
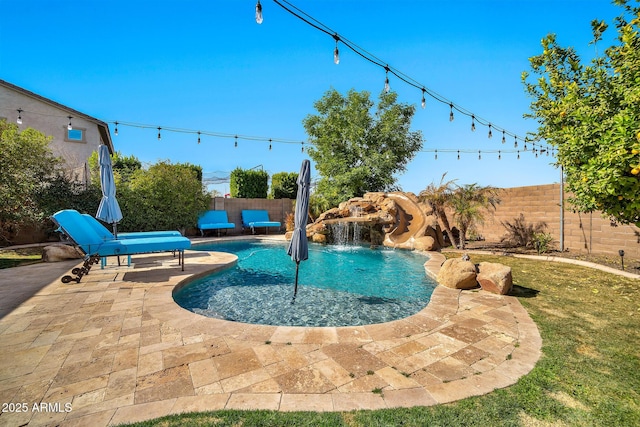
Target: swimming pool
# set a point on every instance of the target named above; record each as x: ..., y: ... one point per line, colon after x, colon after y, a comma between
x: 338, y: 286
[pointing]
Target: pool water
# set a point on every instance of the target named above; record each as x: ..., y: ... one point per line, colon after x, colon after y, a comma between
x: 337, y: 286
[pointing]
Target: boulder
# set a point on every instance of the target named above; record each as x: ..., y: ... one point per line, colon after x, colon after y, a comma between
x: 495, y: 278
x: 425, y: 243
x: 458, y: 274
x: 319, y: 238
x: 60, y: 252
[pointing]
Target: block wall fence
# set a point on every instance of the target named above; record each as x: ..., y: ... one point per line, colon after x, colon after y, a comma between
x: 583, y: 232
x: 277, y: 208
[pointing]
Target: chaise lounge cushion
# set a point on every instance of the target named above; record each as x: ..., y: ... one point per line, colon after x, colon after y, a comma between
x: 107, y: 235
x: 257, y: 218
x: 214, y: 220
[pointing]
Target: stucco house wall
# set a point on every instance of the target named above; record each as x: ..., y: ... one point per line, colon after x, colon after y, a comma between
x: 52, y: 119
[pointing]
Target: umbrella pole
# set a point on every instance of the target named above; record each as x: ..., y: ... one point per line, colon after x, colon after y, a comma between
x: 295, y: 289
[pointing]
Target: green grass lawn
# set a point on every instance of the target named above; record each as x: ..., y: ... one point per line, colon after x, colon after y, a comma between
x: 15, y: 257
x: 588, y: 375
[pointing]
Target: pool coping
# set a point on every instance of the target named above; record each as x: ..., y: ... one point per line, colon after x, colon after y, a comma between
x: 118, y: 349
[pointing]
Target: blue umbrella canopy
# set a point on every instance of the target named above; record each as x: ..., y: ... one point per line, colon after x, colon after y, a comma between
x: 109, y: 209
x: 298, y: 246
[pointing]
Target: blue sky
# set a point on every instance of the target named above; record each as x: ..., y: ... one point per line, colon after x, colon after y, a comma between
x: 207, y: 65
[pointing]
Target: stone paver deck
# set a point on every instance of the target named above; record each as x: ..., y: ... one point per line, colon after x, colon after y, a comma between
x: 116, y: 348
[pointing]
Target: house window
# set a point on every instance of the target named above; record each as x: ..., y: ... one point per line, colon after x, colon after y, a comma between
x: 75, y: 135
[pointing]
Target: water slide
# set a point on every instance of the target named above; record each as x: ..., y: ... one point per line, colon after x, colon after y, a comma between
x: 411, y: 224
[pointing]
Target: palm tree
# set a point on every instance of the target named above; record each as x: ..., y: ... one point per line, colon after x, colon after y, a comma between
x: 470, y: 203
x: 438, y: 198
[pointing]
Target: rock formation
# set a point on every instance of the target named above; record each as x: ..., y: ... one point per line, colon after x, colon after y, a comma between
x: 394, y: 219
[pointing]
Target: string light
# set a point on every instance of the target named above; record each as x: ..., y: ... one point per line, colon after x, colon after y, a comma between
x: 525, y: 146
x: 387, y: 88
x: 479, y: 156
x: 198, y: 137
x: 258, y: 12
x: 424, y: 101
x: 436, y: 156
x: 490, y: 135
x: 336, y: 52
x: 504, y: 138
x: 302, y: 149
x: 159, y: 137
x: 518, y: 154
x: 269, y: 145
x: 499, y: 155
x: 69, y: 127
x: 298, y: 13
x: 236, y: 142
x: 19, y: 120
x: 473, y: 123
x: 458, y: 154
x: 116, y: 129
x: 515, y: 142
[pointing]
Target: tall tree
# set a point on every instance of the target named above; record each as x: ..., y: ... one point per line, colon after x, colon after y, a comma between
x: 356, y: 148
x: 26, y: 162
x: 438, y: 198
x: 470, y: 203
x: 591, y: 114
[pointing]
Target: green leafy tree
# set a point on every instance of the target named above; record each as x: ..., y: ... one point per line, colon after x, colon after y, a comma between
x: 284, y: 185
x: 26, y: 162
x: 470, y: 203
x: 356, y: 148
x: 591, y: 114
x: 166, y: 196
x: 123, y: 167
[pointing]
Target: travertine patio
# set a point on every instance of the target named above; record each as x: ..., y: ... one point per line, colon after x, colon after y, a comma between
x: 116, y: 348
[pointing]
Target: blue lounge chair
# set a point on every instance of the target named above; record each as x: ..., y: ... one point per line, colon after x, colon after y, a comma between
x: 79, y: 230
x: 257, y: 218
x: 214, y: 220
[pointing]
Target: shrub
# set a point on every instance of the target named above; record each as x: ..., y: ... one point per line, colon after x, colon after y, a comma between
x: 542, y: 242
x: 250, y: 184
x: 284, y: 185
x: 521, y: 234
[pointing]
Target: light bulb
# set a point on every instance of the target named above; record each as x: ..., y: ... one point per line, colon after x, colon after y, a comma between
x: 504, y: 139
x: 387, y: 88
x: 458, y: 154
x: 198, y: 137
x: 436, y: 156
x: 451, y: 112
x: 69, y: 127
x: 479, y: 156
x: 116, y: 129
x: 518, y: 154
x: 424, y: 102
x: 236, y: 142
x: 499, y: 155
x: 258, y: 12
x: 473, y: 123
x: 269, y: 144
x: 515, y: 142
x: 19, y: 120
x: 159, y: 137
x: 490, y: 133
x: 336, y: 55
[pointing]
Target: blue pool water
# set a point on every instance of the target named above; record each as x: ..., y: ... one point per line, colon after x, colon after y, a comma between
x: 338, y: 286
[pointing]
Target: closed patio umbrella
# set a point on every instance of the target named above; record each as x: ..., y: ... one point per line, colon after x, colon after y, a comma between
x: 298, y: 247
x: 109, y: 209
